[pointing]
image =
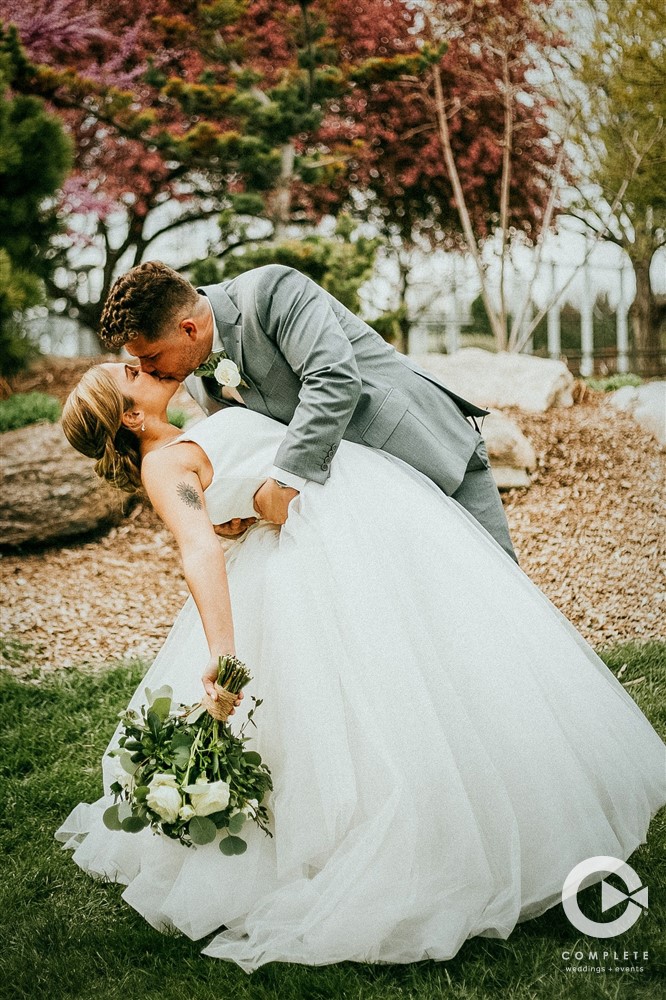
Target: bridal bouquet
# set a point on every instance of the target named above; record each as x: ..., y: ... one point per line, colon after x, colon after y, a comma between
x: 185, y: 774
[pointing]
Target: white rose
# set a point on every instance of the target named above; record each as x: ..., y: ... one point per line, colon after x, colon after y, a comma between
x: 227, y: 373
x: 164, y: 797
x: 186, y: 812
x: 208, y: 797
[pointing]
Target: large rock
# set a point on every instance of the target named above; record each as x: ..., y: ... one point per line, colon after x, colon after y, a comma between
x: 511, y: 455
x: 646, y: 404
x: 499, y: 380
x: 48, y: 491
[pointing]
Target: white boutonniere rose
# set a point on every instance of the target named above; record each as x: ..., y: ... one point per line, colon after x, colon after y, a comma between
x: 226, y: 373
x: 219, y: 366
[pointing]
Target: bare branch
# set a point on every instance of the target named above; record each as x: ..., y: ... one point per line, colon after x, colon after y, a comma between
x: 505, y: 184
x: 545, y: 226
x: 461, y: 206
x: 600, y: 234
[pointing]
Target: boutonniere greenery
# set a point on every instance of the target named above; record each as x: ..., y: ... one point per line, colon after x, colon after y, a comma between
x: 219, y: 366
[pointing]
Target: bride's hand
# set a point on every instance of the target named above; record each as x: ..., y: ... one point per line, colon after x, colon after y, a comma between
x: 209, y: 677
x: 235, y: 527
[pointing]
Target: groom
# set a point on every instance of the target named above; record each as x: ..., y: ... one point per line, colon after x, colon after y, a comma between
x: 307, y: 361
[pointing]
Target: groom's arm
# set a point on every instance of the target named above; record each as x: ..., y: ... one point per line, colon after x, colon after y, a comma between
x: 296, y: 315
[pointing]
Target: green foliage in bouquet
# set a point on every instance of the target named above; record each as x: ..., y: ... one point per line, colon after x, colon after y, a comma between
x: 185, y: 774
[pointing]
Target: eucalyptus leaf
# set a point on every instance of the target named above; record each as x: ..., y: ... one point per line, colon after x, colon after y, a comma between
x: 141, y: 792
x: 252, y: 757
x: 110, y: 818
x: 202, y: 830
x: 181, y: 756
x: 133, y: 824
x: 232, y: 845
x: 182, y: 740
x: 162, y: 707
x: 236, y: 822
x: 166, y: 691
x: 128, y: 764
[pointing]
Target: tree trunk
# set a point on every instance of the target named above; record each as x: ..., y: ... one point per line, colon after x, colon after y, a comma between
x: 444, y: 134
x: 643, y: 315
x: 282, y: 198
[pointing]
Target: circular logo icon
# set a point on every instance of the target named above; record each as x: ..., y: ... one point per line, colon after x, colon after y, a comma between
x: 636, y: 897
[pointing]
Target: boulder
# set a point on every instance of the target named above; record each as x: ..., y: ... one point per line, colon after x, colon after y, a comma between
x: 511, y: 455
x: 500, y: 380
x: 48, y: 491
x: 646, y: 404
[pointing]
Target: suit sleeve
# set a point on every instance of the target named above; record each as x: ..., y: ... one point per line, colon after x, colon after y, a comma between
x: 297, y: 316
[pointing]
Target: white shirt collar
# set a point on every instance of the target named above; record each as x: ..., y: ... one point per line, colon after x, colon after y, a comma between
x: 217, y: 340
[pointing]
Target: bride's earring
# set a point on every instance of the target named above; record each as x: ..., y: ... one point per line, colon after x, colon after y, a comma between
x: 143, y: 427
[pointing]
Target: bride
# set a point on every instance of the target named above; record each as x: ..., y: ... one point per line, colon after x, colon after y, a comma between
x: 444, y: 746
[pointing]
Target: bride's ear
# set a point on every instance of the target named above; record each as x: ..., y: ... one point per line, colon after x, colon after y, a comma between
x: 133, y: 420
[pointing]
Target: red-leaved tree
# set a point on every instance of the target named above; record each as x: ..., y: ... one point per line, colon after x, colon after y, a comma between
x: 281, y: 111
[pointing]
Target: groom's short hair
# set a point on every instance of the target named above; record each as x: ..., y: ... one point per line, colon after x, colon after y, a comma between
x: 144, y: 302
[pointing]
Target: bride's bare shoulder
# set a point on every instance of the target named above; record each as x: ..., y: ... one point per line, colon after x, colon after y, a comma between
x: 179, y: 457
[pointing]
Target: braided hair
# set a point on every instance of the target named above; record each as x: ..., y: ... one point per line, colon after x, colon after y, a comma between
x: 144, y: 302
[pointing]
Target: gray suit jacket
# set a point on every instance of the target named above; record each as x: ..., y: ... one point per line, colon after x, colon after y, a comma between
x: 313, y: 365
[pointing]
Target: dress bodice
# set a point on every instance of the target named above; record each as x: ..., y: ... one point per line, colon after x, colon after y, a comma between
x: 241, y: 445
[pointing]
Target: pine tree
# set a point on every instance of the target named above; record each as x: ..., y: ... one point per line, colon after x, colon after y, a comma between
x: 34, y: 158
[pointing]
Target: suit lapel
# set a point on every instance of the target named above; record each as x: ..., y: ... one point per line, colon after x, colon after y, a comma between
x: 228, y: 320
x: 230, y: 328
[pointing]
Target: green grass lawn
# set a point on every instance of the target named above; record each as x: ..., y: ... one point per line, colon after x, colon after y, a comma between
x: 65, y: 934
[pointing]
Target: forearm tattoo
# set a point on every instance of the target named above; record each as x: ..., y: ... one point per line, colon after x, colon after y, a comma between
x: 189, y: 495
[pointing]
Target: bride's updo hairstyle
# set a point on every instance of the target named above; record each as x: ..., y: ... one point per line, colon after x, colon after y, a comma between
x: 92, y: 422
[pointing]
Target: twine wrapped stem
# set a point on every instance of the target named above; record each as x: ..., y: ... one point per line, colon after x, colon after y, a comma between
x: 232, y: 675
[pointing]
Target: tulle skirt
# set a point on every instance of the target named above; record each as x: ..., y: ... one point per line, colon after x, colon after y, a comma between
x: 444, y: 746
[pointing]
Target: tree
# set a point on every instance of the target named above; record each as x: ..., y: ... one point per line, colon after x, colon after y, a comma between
x: 340, y: 264
x: 104, y: 68
x: 618, y: 92
x: 506, y: 41
x: 462, y: 138
x: 34, y: 158
x: 281, y: 111
x: 217, y: 106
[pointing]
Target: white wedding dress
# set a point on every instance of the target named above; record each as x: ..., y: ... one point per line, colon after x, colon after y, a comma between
x: 444, y: 746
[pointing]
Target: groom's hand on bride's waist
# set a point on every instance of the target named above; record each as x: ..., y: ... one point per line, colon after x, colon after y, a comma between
x: 271, y: 501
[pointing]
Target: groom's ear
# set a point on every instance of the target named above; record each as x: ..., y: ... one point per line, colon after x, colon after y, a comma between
x: 189, y: 327
x: 195, y: 324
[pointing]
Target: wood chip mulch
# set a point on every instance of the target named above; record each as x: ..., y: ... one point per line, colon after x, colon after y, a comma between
x: 590, y: 532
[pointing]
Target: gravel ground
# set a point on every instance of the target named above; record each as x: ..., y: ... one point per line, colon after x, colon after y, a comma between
x: 591, y: 532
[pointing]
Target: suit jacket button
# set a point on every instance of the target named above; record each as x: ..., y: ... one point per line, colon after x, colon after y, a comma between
x: 324, y: 466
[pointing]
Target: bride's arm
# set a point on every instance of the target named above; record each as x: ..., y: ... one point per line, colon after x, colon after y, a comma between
x: 175, y: 491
